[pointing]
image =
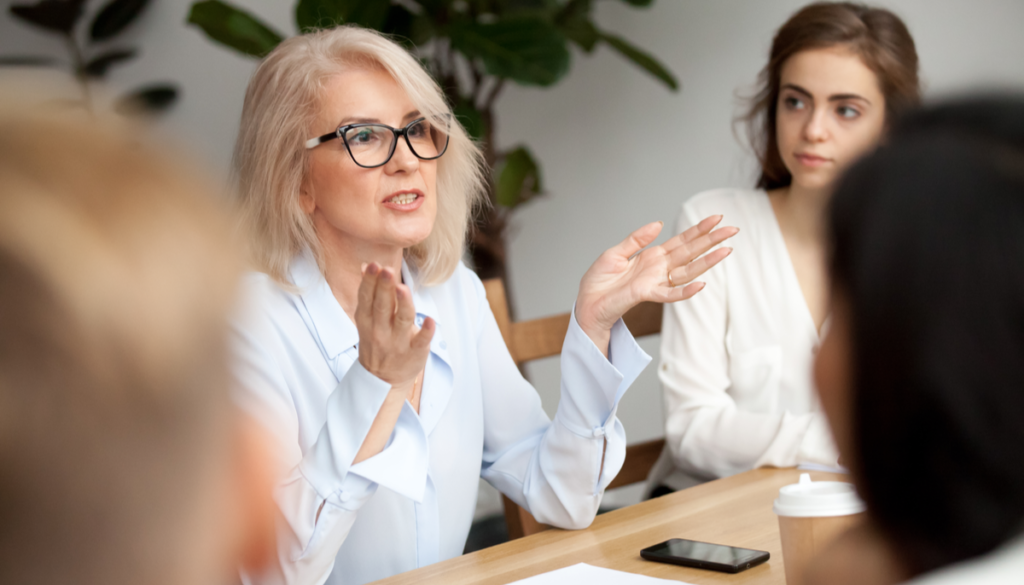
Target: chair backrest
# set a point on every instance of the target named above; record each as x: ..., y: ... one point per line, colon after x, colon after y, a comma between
x: 541, y: 338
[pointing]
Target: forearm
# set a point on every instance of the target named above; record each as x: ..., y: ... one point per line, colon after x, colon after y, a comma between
x: 562, y: 473
x: 383, y: 424
x: 719, y: 441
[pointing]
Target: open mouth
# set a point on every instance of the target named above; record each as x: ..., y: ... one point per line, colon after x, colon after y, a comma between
x: 403, y: 198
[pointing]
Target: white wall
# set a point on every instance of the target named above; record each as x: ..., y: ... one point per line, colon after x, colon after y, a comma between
x: 618, y: 150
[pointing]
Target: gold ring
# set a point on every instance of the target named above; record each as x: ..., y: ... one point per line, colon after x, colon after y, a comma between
x: 670, y: 283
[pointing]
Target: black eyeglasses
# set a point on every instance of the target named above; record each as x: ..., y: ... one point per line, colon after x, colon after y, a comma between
x: 373, y: 145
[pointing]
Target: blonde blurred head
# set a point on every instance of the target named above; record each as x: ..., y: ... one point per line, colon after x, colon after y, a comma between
x: 270, y: 161
x: 117, y: 274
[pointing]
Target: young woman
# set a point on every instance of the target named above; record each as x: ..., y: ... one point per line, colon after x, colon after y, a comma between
x: 372, y: 352
x: 921, y: 373
x: 736, y: 361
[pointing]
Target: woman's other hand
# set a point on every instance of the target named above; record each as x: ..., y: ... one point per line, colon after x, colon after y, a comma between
x: 628, y: 274
x: 391, y: 346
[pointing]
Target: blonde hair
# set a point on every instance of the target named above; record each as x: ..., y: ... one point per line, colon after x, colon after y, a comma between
x: 116, y: 279
x: 270, y: 158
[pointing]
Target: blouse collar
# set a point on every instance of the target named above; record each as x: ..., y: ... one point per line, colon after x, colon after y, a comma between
x: 334, y: 329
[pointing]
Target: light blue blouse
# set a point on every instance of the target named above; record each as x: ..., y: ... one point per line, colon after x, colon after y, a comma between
x: 411, y: 505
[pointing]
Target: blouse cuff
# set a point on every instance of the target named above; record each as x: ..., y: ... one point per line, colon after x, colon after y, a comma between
x: 592, y: 384
x: 351, y: 410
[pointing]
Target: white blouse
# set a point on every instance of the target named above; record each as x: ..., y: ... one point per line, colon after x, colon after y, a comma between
x: 736, y: 359
x: 412, y: 504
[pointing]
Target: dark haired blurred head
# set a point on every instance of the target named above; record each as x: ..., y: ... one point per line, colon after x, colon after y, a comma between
x: 922, y: 373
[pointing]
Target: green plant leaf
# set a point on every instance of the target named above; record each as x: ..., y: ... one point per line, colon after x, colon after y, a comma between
x: 514, y: 8
x: 152, y: 99
x: 518, y: 178
x: 644, y: 60
x: 98, y: 67
x: 574, y: 22
x: 413, y: 30
x: 471, y: 119
x: 369, y: 13
x: 435, y: 8
x: 114, y: 17
x: 313, y: 14
x: 234, y: 28
x: 53, y: 15
x: 529, y: 51
x: 26, y: 61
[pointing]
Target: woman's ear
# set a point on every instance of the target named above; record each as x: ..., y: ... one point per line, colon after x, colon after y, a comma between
x: 306, y: 200
x: 254, y: 481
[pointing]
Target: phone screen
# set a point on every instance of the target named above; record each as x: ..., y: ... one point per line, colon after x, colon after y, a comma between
x: 704, y: 555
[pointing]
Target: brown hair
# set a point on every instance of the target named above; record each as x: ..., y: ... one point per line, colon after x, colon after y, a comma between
x: 875, y: 35
x: 116, y: 277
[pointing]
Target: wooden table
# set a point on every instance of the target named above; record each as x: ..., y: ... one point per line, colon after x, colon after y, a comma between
x: 736, y: 511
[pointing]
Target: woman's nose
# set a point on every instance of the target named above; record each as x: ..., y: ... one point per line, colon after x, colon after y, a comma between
x: 403, y: 160
x: 816, y: 129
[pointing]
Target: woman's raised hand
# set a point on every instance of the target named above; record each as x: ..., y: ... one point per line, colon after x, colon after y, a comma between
x: 628, y: 274
x: 391, y: 346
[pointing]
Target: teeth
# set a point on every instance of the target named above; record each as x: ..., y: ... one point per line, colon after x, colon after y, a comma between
x: 403, y: 199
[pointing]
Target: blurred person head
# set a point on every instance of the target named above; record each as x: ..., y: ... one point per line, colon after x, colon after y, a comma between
x: 297, y: 194
x: 836, y: 74
x: 122, y: 459
x: 922, y: 372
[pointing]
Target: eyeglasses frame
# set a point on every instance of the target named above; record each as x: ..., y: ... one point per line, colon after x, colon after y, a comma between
x: 397, y: 132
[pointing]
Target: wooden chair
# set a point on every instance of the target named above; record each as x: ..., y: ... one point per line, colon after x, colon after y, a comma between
x: 541, y: 338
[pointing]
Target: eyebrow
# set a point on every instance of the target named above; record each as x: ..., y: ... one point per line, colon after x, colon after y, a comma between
x: 832, y: 98
x: 358, y: 120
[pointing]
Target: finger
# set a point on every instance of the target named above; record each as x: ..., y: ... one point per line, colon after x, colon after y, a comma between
x: 422, y: 339
x: 684, y: 274
x: 702, y: 227
x: 638, y: 240
x: 384, y: 299
x: 686, y: 253
x: 666, y: 294
x: 686, y: 292
x: 367, y: 288
x: 405, y: 316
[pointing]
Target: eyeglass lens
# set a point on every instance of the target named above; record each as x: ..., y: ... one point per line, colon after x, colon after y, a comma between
x: 372, y: 144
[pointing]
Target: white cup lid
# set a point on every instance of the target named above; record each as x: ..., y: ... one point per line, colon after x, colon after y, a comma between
x: 810, y: 499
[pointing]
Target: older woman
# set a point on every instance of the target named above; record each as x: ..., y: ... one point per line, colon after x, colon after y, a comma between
x: 371, y: 350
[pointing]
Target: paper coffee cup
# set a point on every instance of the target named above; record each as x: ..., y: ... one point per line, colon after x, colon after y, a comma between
x: 811, y: 514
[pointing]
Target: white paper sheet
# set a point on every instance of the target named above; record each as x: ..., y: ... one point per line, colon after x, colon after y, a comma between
x: 584, y: 574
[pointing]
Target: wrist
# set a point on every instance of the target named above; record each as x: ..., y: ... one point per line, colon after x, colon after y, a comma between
x: 590, y: 320
x: 402, y: 390
x: 593, y: 328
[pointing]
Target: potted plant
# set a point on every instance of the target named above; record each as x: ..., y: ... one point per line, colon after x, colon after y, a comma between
x: 92, y: 50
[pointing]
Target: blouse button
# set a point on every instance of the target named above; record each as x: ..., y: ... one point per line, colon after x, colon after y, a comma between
x: 344, y: 496
x: 598, y: 432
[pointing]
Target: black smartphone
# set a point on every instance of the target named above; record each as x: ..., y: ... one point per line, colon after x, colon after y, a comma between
x: 704, y: 555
